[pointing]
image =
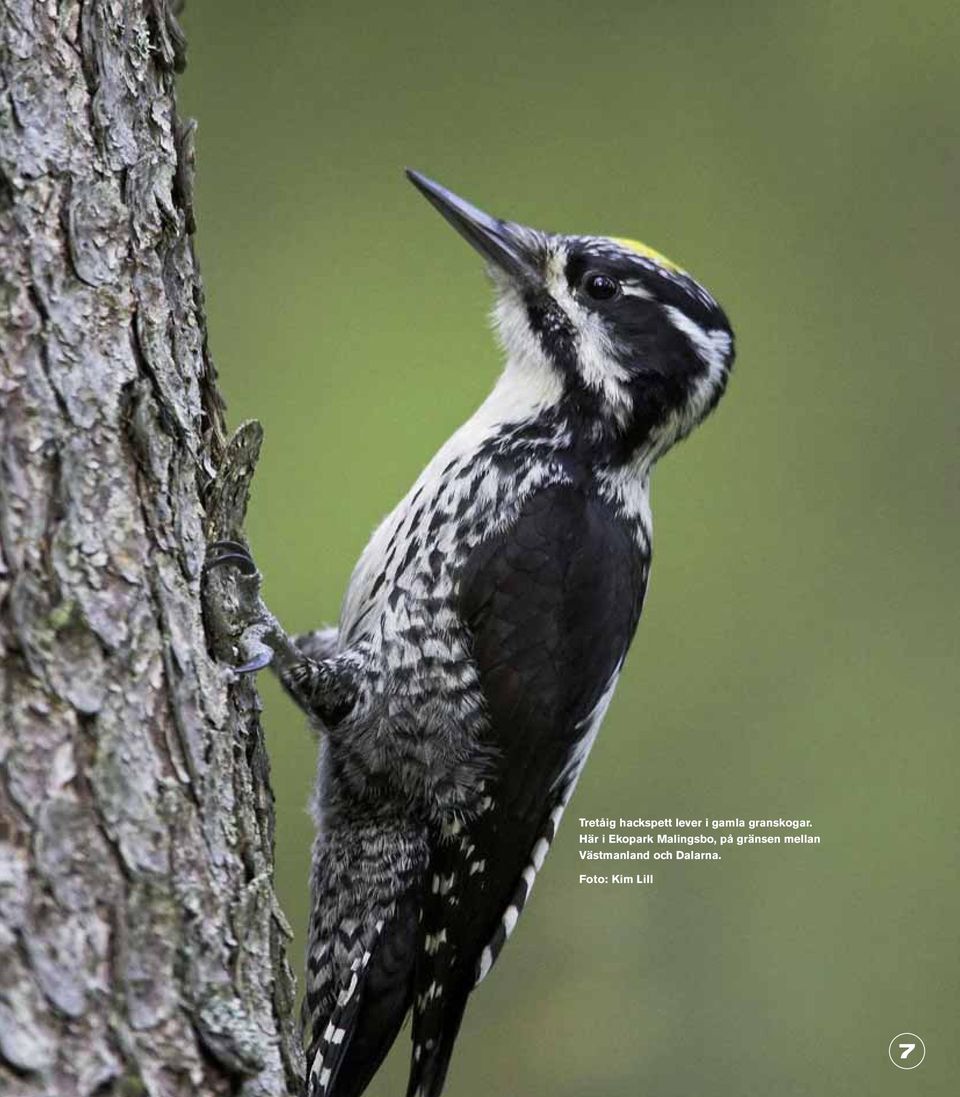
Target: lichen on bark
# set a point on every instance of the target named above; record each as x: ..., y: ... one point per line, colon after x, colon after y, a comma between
x: 141, y: 944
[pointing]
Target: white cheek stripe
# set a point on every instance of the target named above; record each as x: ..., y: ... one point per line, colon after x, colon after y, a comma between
x: 712, y: 346
x: 596, y: 360
x: 713, y: 349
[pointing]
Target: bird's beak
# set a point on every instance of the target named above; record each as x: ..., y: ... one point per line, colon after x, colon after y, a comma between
x: 506, y: 247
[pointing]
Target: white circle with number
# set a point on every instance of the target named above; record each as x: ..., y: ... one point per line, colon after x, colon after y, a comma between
x: 907, y: 1051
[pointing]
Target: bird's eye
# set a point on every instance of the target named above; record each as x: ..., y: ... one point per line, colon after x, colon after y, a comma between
x: 600, y: 287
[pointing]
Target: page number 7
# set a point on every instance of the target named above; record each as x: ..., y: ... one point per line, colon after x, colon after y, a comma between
x: 906, y: 1051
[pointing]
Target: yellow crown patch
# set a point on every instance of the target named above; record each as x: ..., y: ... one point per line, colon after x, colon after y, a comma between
x: 647, y: 252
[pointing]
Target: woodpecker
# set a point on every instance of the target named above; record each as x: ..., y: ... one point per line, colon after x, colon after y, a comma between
x: 481, y: 638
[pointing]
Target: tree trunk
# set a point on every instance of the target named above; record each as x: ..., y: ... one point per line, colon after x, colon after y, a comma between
x: 141, y: 945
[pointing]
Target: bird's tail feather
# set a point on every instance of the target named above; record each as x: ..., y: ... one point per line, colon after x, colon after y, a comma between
x: 336, y: 1040
x: 372, y: 1000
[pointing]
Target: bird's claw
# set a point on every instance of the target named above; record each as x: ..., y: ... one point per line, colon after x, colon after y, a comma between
x: 263, y: 658
x: 221, y: 553
x: 258, y: 624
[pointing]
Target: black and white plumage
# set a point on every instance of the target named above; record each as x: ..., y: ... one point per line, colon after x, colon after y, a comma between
x: 481, y: 638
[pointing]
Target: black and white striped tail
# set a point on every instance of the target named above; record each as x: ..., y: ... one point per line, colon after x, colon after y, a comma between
x: 334, y: 1042
x: 374, y: 990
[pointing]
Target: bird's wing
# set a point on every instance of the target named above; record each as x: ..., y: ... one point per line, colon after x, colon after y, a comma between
x: 551, y: 604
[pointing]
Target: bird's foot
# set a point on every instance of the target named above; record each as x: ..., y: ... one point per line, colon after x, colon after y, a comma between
x: 261, y: 640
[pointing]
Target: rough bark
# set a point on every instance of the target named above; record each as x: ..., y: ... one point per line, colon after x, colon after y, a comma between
x: 141, y: 945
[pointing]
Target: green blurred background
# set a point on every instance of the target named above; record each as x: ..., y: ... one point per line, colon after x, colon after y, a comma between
x: 798, y: 653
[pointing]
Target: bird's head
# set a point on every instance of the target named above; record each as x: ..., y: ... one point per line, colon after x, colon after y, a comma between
x: 610, y: 332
